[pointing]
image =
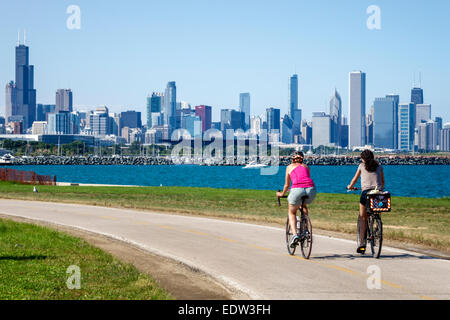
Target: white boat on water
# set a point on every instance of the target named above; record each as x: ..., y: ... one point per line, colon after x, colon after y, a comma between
x: 255, y: 166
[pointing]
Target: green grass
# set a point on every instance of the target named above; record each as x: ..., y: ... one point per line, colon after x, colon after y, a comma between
x: 34, y: 261
x: 415, y: 220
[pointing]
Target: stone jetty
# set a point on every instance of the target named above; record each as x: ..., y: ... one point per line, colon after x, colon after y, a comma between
x: 310, y: 160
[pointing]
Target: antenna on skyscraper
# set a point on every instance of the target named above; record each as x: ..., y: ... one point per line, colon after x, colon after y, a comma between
x: 420, y: 79
x: 25, y: 37
x: 18, y: 37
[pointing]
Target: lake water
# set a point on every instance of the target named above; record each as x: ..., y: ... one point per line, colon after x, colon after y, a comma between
x: 409, y: 181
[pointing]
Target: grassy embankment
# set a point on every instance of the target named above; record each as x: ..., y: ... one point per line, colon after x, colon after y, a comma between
x: 413, y: 220
x: 34, y: 261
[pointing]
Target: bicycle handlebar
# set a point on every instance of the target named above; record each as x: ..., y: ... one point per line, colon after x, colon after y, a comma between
x: 279, y: 202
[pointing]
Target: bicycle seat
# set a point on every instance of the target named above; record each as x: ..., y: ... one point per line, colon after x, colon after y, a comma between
x: 305, y: 198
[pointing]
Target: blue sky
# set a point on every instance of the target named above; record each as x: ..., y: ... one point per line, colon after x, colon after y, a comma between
x: 216, y: 49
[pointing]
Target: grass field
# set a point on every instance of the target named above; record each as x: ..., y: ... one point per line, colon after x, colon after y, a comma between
x: 413, y: 220
x: 34, y: 261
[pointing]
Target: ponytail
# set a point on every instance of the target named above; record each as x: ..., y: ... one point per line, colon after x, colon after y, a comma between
x: 370, y: 163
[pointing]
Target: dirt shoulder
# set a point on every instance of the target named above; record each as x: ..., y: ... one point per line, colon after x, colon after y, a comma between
x: 181, y: 281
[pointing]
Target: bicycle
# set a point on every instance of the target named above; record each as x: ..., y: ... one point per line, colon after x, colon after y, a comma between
x: 304, y: 231
x: 374, y: 226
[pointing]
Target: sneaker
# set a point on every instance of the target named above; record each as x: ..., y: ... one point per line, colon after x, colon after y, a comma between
x: 361, y: 250
x: 294, y: 241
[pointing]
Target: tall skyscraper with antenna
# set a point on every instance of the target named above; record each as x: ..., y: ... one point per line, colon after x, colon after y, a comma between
x: 21, y: 95
x: 417, y: 91
x: 417, y: 95
x: 294, y: 112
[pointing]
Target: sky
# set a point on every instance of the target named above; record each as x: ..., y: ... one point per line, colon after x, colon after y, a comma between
x: 216, y: 49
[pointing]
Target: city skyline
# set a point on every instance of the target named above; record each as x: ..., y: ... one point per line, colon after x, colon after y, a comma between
x: 388, y: 125
x: 259, y: 71
x: 64, y: 99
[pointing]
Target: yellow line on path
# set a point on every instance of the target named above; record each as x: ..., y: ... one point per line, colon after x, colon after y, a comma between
x: 227, y: 240
x: 166, y: 227
x: 197, y: 233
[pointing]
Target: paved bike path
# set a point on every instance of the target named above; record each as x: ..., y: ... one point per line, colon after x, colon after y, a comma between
x: 253, y: 258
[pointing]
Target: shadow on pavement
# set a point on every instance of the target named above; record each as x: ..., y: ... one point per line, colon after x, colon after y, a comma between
x: 23, y: 258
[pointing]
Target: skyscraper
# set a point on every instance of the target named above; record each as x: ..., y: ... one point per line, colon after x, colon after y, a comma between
x: 445, y: 139
x: 287, y: 135
x: 273, y: 120
x: 59, y: 123
x: 25, y: 94
x: 170, y: 106
x: 10, y: 100
x: 154, y: 109
x: 64, y: 100
x: 321, y: 129
x: 255, y: 125
x: 205, y: 113
x: 42, y: 110
x: 406, y: 125
x: 244, y: 106
x: 383, y: 123
x: 396, y: 99
x: 423, y: 113
x: 306, y: 132
x: 336, y: 117
x: 231, y: 119
x: 294, y: 112
x: 429, y: 136
x: 130, y: 119
x: 193, y: 124
x: 417, y: 96
x: 99, y: 122
x: 357, y: 109
x: 293, y: 95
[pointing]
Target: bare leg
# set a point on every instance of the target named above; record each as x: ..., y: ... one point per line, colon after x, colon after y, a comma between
x: 293, y: 218
x: 363, y: 225
x: 305, y: 209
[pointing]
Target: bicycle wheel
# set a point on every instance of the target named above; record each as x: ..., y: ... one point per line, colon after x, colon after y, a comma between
x: 289, y: 235
x: 306, y: 231
x: 376, y: 236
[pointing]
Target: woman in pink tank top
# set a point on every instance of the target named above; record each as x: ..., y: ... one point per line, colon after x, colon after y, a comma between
x: 298, y: 179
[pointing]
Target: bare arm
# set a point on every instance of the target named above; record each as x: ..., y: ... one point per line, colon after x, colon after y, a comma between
x: 355, y: 179
x: 287, y: 184
x: 382, y: 179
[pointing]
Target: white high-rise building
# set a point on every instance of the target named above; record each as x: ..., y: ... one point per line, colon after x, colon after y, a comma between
x: 321, y: 129
x: 357, y: 109
x: 423, y: 113
x: 255, y: 125
x: 428, y: 136
x: 39, y: 127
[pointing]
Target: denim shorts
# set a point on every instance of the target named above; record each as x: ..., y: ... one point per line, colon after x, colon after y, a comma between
x: 363, y: 198
x: 295, y: 196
